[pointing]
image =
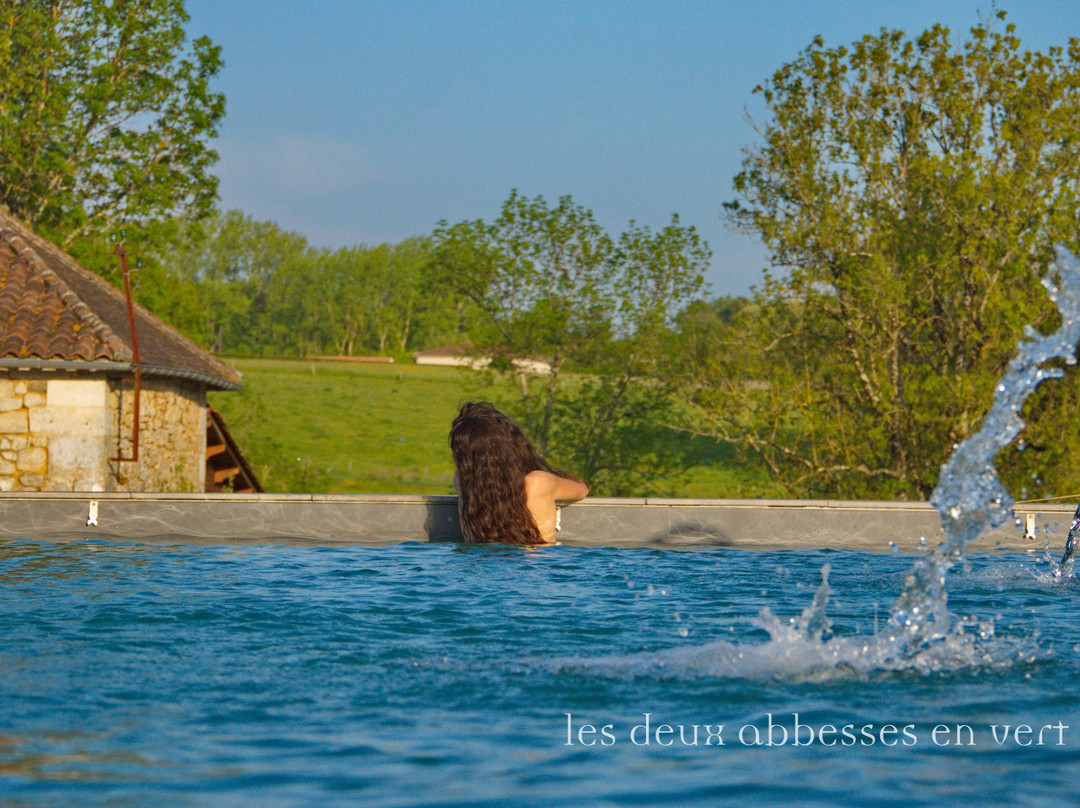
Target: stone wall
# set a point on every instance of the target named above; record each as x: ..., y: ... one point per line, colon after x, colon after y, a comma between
x: 23, y: 457
x: 63, y: 431
x: 172, y: 436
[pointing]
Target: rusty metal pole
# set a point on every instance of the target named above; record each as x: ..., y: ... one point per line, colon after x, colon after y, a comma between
x: 120, y: 251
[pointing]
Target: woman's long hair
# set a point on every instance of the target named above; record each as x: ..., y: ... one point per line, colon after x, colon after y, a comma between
x: 493, y: 456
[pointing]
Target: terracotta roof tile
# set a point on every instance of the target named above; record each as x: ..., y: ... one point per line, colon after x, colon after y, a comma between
x: 35, y: 318
x: 53, y: 308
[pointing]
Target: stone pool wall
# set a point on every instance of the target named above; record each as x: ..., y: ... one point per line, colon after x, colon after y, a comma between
x: 325, y: 519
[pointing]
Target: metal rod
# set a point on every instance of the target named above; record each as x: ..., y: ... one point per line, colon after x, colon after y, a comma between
x: 120, y: 251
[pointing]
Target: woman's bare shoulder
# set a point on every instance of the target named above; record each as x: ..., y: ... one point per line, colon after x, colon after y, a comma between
x: 541, y: 481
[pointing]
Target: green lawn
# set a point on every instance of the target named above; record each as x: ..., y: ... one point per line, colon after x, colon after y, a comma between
x: 351, y: 427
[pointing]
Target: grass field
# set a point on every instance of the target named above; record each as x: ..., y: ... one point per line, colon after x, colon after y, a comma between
x: 351, y: 427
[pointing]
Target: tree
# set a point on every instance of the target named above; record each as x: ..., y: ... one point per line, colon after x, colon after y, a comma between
x: 553, y: 286
x: 361, y: 300
x: 396, y: 295
x: 249, y: 288
x: 230, y: 260
x: 910, y: 192
x: 105, y: 115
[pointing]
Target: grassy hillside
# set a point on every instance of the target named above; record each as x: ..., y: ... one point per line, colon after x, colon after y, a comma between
x: 349, y: 427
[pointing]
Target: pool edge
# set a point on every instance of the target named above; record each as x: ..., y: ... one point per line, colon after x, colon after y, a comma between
x: 391, y: 518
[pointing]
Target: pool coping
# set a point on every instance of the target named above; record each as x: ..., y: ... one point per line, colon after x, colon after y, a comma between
x: 379, y: 519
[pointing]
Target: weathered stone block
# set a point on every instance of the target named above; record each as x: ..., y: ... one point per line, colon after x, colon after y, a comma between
x: 33, y: 461
x: 75, y: 458
x: 78, y: 393
x: 20, y: 388
x: 9, y: 403
x: 52, y: 420
x: 32, y: 482
x: 7, y: 483
x: 7, y: 468
x: 7, y: 388
x: 32, y: 399
x: 14, y: 422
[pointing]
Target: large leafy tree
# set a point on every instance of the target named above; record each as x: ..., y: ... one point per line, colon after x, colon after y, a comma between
x: 105, y: 116
x: 552, y: 285
x: 910, y: 191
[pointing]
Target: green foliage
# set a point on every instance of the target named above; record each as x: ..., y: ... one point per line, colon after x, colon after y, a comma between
x: 1043, y: 462
x: 249, y: 288
x: 105, y: 114
x: 553, y: 286
x: 228, y: 263
x: 910, y: 192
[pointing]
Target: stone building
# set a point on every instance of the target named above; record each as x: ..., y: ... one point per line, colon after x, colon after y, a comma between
x: 68, y: 386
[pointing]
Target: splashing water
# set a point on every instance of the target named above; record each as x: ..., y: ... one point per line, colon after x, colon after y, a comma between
x: 1065, y: 566
x: 921, y: 634
x: 969, y: 495
x: 804, y: 649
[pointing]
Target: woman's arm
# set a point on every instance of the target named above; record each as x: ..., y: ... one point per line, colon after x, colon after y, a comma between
x: 568, y: 490
x: 550, y: 486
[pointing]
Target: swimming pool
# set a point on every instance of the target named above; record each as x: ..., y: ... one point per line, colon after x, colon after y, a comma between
x: 439, y: 674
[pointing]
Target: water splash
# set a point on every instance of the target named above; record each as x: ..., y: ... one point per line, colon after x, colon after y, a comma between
x: 921, y: 634
x: 804, y: 649
x: 969, y: 495
x: 1065, y: 568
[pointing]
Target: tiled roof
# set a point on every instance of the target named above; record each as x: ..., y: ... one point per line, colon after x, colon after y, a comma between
x: 51, y: 308
x: 460, y: 349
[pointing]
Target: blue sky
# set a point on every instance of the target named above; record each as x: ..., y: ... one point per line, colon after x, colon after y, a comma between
x: 364, y: 121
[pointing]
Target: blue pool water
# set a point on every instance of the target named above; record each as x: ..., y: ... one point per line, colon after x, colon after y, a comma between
x: 426, y: 674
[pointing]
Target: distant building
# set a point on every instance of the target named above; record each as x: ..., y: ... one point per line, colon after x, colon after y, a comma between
x: 463, y: 355
x: 67, y: 386
x: 459, y: 355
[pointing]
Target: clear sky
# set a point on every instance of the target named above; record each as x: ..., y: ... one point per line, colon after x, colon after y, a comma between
x: 364, y: 121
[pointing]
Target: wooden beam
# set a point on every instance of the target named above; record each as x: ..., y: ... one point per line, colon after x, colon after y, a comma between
x: 221, y: 475
x: 216, y: 449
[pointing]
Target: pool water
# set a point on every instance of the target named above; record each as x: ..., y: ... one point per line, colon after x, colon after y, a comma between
x: 433, y: 674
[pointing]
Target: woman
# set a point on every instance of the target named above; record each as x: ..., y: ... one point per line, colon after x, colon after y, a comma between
x: 506, y: 491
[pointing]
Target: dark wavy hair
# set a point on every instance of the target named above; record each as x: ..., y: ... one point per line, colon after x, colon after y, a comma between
x: 493, y: 456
